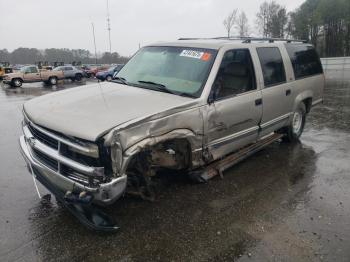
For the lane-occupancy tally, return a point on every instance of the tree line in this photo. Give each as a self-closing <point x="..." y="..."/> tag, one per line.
<point x="32" y="55"/>
<point x="324" y="23"/>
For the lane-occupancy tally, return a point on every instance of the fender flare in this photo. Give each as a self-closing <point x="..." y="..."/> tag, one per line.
<point x="301" y="97"/>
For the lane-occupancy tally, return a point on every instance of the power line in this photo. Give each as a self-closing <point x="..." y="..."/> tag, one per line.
<point x="109" y="28"/>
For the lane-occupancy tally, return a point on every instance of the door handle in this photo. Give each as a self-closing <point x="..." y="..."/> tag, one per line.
<point x="258" y="102"/>
<point x="288" y="92"/>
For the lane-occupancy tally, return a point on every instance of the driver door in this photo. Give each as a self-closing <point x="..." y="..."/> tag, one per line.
<point x="236" y="108"/>
<point x="31" y="74"/>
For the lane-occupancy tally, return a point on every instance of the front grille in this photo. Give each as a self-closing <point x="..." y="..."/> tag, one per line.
<point x="46" y="160"/>
<point x="51" y="142"/>
<point x="61" y="154"/>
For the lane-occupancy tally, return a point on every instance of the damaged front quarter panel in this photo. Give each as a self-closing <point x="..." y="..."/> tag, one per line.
<point x="171" y="139"/>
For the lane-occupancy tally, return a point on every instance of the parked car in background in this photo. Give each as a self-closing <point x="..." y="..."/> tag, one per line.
<point x="5" y="69"/>
<point x="70" y="72"/>
<point x="108" y="74"/>
<point x="96" y="69"/>
<point x="29" y="74"/>
<point x="87" y="72"/>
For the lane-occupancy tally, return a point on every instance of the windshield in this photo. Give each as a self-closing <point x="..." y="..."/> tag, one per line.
<point x="59" y="68"/>
<point x="181" y="70"/>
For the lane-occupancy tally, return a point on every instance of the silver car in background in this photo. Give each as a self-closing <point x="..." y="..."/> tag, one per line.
<point x="70" y="72"/>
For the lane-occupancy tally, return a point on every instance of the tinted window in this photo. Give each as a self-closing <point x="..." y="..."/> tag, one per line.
<point x="68" y="68"/>
<point x="272" y="65"/>
<point x="236" y="74"/>
<point x="304" y="59"/>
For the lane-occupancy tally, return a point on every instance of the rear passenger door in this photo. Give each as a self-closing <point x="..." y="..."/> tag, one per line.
<point x="276" y="91"/>
<point x="68" y="71"/>
<point x="235" y="109"/>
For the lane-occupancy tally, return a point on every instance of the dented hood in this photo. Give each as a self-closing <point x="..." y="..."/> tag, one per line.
<point x="87" y="112"/>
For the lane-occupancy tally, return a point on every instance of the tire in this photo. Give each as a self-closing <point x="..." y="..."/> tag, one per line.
<point x="296" y="127"/>
<point x="78" y="77"/>
<point x="53" y="80"/>
<point x="17" y="82"/>
<point x="109" y="78"/>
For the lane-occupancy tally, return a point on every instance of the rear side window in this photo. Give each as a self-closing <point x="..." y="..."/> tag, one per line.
<point x="272" y="66"/>
<point x="305" y="60"/>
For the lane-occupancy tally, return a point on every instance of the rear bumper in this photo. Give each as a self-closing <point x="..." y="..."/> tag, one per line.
<point x="104" y="194"/>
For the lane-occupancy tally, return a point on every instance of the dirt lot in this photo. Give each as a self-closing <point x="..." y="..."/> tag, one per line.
<point x="289" y="202"/>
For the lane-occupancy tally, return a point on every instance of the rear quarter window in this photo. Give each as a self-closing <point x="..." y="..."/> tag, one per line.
<point x="272" y="66"/>
<point x="305" y="60"/>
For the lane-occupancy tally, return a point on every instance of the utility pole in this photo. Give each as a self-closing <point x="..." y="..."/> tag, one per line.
<point x="109" y="29"/>
<point x="93" y="34"/>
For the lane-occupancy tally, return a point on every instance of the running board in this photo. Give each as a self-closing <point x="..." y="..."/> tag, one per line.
<point x="219" y="166"/>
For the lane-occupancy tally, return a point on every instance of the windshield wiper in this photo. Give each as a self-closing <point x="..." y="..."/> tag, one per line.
<point x="159" y="86"/>
<point x="163" y="88"/>
<point x="118" y="79"/>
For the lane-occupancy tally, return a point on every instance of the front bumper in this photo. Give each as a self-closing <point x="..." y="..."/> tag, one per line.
<point x="104" y="194"/>
<point x="101" y="77"/>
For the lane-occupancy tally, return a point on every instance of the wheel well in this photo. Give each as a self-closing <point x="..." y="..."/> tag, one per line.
<point x="17" y="78"/>
<point x="172" y="154"/>
<point x="308" y="104"/>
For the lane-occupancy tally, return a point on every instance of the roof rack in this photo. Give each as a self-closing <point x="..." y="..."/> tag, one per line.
<point x="247" y="39"/>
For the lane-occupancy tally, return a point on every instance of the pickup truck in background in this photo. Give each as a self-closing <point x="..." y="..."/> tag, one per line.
<point x="30" y="74"/>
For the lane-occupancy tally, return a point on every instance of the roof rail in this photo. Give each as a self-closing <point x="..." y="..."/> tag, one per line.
<point x="271" y="40"/>
<point x="247" y="39"/>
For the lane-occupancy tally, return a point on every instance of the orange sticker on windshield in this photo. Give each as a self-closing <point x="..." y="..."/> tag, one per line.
<point x="206" y="56"/>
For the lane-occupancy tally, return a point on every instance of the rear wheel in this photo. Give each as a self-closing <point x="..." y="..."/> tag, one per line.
<point x="53" y="80"/>
<point x="17" y="82"/>
<point x="296" y="127"/>
<point x="78" y="77"/>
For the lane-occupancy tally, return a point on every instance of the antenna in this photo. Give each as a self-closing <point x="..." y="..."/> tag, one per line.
<point x="109" y="29"/>
<point x="93" y="34"/>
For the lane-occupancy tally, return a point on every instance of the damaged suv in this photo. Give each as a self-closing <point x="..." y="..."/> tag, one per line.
<point x="174" y="106"/>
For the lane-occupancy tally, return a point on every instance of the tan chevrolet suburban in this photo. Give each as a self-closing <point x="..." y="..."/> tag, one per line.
<point x="29" y="74"/>
<point x="182" y="105"/>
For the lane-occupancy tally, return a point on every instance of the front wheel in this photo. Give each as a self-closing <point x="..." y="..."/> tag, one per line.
<point x="16" y="82"/>
<point x="109" y="78"/>
<point x="78" y="77"/>
<point x="296" y="127"/>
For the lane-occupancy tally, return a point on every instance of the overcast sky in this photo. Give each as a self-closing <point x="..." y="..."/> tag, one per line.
<point x="67" y="23"/>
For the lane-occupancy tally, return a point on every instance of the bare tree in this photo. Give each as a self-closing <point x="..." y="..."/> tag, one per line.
<point x="272" y="19"/>
<point x="229" y="21"/>
<point x="242" y="24"/>
<point x="262" y="19"/>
